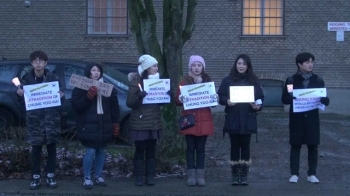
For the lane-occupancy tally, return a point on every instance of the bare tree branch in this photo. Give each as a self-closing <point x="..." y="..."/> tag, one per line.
<point x="135" y="9"/>
<point x="190" y="26"/>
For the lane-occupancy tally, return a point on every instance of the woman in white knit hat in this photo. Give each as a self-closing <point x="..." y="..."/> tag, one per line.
<point x="196" y="136"/>
<point x="145" y="121"/>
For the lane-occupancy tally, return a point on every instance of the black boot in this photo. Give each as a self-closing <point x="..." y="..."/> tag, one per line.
<point x="235" y="173"/>
<point x="138" y="172"/>
<point x="150" y="171"/>
<point x="244" y="173"/>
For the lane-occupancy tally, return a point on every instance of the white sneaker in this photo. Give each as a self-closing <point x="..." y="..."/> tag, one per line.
<point x="312" y="179"/>
<point x="294" y="179"/>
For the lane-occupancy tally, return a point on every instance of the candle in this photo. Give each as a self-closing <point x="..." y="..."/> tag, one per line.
<point x="140" y="87"/>
<point x="16" y="82"/>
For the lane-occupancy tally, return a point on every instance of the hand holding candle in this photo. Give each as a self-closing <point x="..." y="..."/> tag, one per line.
<point x="290" y="88"/>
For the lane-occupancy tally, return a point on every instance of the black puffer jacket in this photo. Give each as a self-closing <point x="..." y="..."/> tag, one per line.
<point x="143" y="117"/>
<point x="240" y="118"/>
<point x="94" y="130"/>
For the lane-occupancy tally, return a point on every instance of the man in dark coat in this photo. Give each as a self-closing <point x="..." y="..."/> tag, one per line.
<point x="43" y="125"/>
<point x="304" y="127"/>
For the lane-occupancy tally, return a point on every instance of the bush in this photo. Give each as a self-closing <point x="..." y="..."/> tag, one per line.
<point x="15" y="157"/>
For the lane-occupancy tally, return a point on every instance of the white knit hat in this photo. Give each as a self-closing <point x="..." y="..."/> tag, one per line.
<point x="146" y="61"/>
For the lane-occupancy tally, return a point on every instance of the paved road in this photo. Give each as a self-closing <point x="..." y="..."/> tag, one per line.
<point x="269" y="172"/>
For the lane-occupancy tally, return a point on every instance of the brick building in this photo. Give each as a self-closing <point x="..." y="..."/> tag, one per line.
<point x="272" y="32"/>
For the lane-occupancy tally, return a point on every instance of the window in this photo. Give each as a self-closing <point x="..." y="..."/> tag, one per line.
<point x="106" y="17"/>
<point x="7" y="72"/>
<point x="28" y="67"/>
<point x="262" y="17"/>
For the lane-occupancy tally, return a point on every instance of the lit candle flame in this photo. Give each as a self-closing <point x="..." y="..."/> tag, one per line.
<point x="140" y="87"/>
<point x="16" y="82"/>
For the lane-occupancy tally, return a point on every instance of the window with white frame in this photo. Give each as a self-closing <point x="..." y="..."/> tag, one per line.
<point x="263" y="17"/>
<point x="107" y="17"/>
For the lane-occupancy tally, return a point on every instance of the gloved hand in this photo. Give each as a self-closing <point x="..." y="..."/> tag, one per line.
<point x="324" y="101"/>
<point x="141" y="95"/>
<point x="92" y="92"/>
<point x="170" y="93"/>
<point x="116" y="129"/>
<point x="183" y="99"/>
<point x="215" y="97"/>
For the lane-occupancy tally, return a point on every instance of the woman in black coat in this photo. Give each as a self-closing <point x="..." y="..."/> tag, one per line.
<point x="97" y="118"/>
<point x="240" y="120"/>
<point x="304" y="127"/>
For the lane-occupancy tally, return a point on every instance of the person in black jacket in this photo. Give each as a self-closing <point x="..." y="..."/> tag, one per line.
<point x="97" y="118"/>
<point x="43" y="125"/>
<point x="240" y="120"/>
<point x="304" y="127"/>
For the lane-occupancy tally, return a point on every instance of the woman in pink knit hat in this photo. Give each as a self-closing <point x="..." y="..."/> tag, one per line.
<point x="196" y="136"/>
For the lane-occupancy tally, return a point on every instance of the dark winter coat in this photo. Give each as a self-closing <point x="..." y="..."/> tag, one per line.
<point x="204" y="121"/>
<point x="240" y="118"/>
<point x="43" y="125"/>
<point x="94" y="130"/>
<point x="144" y="117"/>
<point x="304" y="127"/>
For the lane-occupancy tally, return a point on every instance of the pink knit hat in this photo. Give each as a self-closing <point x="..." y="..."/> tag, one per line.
<point x="196" y="58"/>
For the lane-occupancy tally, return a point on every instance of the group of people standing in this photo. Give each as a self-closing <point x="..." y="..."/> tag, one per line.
<point x="97" y="121"/>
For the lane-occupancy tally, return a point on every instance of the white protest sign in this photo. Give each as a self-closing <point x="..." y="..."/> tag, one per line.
<point x="308" y="99"/>
<point x="156" y="91"/>
<point x="199" y="95"/>
<point x="340" y="36"/>
<point x="85" y="83"/>
<point x="43" y="95"/>
<point x="338" y="26"/>
<point x="242" y="94"/>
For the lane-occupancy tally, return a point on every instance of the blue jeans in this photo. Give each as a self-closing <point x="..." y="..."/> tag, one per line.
<point x="89" y="159"/>
<point x="195" y="153"/>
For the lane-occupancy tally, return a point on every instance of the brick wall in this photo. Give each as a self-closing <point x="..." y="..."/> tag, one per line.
<point x="59" y="27"/>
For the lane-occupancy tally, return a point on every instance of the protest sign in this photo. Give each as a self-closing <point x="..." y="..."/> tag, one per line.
<point x="242" y="94"/>
<point x="156" y="91"/>
<point x="43" y="95"/>
<point x="85" y="83"/>
<point x="199" y="95"/>
<point x="308" y="99"/>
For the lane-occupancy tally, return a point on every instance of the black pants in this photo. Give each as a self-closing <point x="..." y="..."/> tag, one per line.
<point x="195" y="153"/>
<point x="145" y="149"/>
<point x="295" y="159"/>
<point x="240" y="147"/>
<point x="36" y="158"/>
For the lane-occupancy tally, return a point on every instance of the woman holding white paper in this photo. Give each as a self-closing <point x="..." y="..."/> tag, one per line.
<point x="145" y="121"/>
<point x="240" y="120"/>
<point x="196" y="136"/>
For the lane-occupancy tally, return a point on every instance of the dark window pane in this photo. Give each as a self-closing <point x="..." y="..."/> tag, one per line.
<point x="7" y="72"/>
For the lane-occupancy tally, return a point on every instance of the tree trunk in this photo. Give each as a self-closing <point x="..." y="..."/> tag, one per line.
<point x="143" y="26"/>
